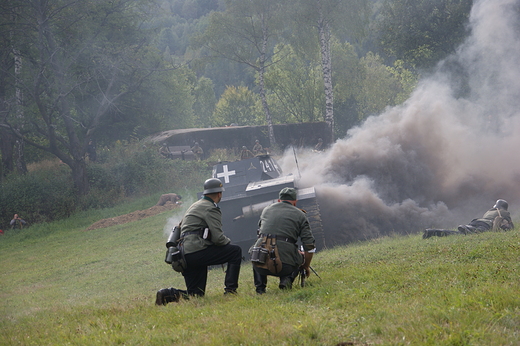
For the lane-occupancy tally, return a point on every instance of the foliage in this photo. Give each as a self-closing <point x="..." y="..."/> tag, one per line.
<point x="295" y="88"/>
<point x="134" y="169"/>
<point x="422" y="32"/>
<point x="244" y="33"/>
<point x="205" y="102"/>
<point x="121" y="70"/>
<point x="382" y="86"/>
<point x="459" y="290"/>
<point x="348" y="74"/>
<point x="87" y="65"/>
<point x="40" y="195"/>
<point x="239" y="106"/>
<point x="126" y="170"/>
<point x="378" y="87"/>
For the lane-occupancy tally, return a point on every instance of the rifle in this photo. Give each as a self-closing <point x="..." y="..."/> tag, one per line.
<point x="303" y="275"/>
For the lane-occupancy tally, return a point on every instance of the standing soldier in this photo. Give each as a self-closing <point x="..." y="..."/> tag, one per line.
<point x="204" y="244"/>
<point x="283" y="223"/>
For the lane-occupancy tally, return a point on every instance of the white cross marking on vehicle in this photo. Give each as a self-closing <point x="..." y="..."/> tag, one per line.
<point x="226" y="174"/>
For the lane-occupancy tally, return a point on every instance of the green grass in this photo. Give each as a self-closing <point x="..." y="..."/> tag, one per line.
<point x="62" y="285"/>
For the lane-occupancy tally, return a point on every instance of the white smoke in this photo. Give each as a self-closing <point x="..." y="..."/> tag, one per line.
<point x="440" y="159"/>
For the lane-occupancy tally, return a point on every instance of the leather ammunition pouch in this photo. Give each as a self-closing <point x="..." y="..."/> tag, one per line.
<point x="264" y="254"/>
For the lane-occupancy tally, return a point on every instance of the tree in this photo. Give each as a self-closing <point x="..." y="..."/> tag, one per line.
<point x="205" y="101"/>
<point x="238" y="106"/>
<point x="348" y="75"/>
<point x="82" y="59"/>
<point x="244" y="33"/>
<point x="326" y="17"/>
<point x="382" y="86"/>
<point x="295" y="86"/>
<point x="11" y="96"/>
<point x="422" y="32"/>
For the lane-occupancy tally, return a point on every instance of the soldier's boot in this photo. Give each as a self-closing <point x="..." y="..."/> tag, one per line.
<point x="462" y="229"/>
<point x="169" y="295"/>
<point x="466" y="229"/>
<point x="231" y="279"/>
<point x="428" y="233"/>
<point x="260" y="282"/>
<point x="287" y="281"/>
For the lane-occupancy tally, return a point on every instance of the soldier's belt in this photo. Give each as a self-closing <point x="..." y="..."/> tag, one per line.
<point x="199" y="232"/>
<point x="278" y="237"/>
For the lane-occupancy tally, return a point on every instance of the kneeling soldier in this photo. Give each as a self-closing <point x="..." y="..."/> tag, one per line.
<point x="204" y="244"/>
<point x="281" y="224"/>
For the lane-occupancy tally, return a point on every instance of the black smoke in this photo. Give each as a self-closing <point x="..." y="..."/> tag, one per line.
<point x="440" y="159"/>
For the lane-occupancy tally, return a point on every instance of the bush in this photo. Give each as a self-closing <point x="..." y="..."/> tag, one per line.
<point x="38" y="196"/>
<point x="47" y="192"/>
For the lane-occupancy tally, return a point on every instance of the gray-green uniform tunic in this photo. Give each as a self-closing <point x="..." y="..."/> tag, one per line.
<point x="493" y="213"/>
<point x="200" y="215"/>
<point x="287" y="221"/>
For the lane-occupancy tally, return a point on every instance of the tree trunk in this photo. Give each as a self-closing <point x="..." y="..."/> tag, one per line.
<point x="79" y="175"/>
<point x="261" y="72"/>
<point x="76" y="151"/>
<point x="265" y="106"/>
<point x="326" y="63"/>
<point x="21" y="166"/>
<point x="7" y="141"/>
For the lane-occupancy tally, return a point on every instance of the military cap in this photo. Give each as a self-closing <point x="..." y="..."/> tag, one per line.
<point x="288" y="194"/>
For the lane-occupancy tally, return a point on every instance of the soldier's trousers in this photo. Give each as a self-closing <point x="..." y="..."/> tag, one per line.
<point x="196" y="275"/>
<point x="286" y="275"/>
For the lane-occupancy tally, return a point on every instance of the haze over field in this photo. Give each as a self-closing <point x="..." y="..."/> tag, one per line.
<point x="444" y="156"/>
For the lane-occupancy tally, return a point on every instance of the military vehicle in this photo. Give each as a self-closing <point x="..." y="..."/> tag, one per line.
<point x="250" y="186"/>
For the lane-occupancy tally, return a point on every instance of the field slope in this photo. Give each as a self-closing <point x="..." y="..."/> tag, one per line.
<point x="63" y="285"/>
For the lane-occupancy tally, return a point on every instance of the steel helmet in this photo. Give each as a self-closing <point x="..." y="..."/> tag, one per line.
<point x="212" y="185"/>
<point x="501" y="204"/>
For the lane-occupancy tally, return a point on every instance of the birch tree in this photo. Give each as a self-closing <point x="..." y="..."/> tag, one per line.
<point x="245" y="33"/>
<point x="325" y="18"/>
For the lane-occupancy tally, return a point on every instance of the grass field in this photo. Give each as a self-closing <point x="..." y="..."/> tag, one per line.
<point x="62" y="285"/>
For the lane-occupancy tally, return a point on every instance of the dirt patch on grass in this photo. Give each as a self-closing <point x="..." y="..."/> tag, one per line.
<point x="134" y="216"/>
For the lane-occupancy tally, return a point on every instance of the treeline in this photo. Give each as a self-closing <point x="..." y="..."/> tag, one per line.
<point x="78" y="74"/>
<point x="125" y="170"/>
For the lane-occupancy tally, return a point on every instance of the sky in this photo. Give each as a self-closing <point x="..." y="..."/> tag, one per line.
<point x="441" y="158"/>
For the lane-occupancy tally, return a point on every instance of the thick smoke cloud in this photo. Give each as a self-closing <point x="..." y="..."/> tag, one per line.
<point x="440" y="159"/>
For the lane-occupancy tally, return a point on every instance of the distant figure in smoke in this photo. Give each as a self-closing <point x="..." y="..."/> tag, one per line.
<point x="257" y="148"/>
<point x="246" y="153"/>
<point x="319" y="145"/>
<point x="495" y="219"/>
<point x="197" y="151"/>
